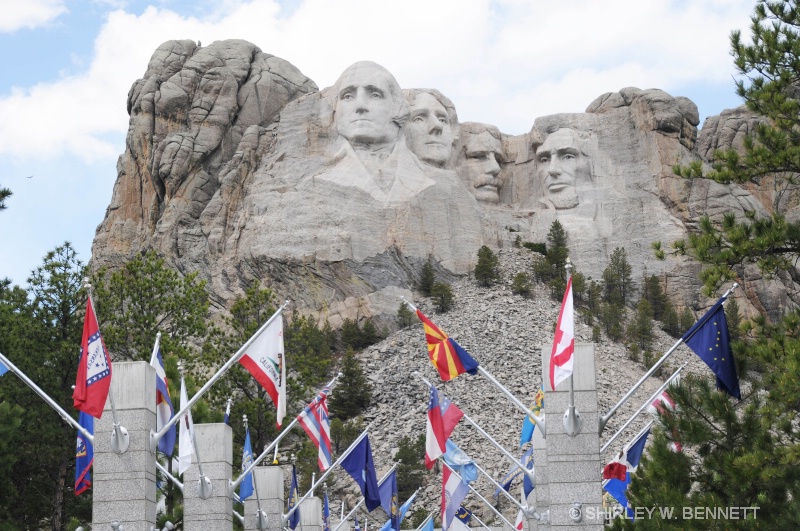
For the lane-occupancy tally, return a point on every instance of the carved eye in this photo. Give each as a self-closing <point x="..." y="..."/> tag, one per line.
<point x="347" y="96"/>
<point x="419" y="118"/>
<point x="544" y="159"/>
<point x="443" y="120"/>
<point x="376" y="95"/>
<point x="568" y="156"/>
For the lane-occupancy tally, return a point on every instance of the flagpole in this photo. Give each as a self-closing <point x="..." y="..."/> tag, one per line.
<point x="154" y="355"/>
<point x="204" y="487"/>
<point x="342" y="520"/>
<point x="496" y="484"/>
<point x="155" y="437"/>
<point x="44" y="396"/>
<point x="572" y="419"/>
<point x="169" y="476"/>
<point x="261" y="516"/>
<point x="347" y="452"/>
<point x="627" y="445"/>
<point x="644" y="406"/>
<point x="284" y="432"/>
<point x="119" y="437"/>
<point x="539" y="421"/>
<point x="478" y="494"/>
<point x="605" y="418"/>
<point x="430" y="515"/>
<point x="508" y="454"/>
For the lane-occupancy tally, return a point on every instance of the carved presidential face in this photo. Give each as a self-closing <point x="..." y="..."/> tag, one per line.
<point x="429" y="133"/>
<point x="560" y="166"/>
<point x="366" y="103"/>
<point x="483" y="154"/>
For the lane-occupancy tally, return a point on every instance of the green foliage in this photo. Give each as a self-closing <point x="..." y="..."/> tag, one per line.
<point x="343" y="433"/>
<point x="617" y="282"/>
<point x="518" y="241"/>
<point x="410" y="457"/>
<point x="555" y="258"/>
<point x="733" y="317"/>
<point x="687" y="320"/>
<point x="5" y="193"/>
<point x="443" y="297"/>
<point x="652" y="292"/>
<point x="405" y="317"/>
<point x="540" y="248"/>
<point x="427" y="278"/>
<point x="486" y="270"/>
<point x="353" y="391"/>
<point x="671" y="321"/>
<point x="612" y="319"/>
<point x="358" y="337"/>
<point x="640" y="329"/>
<point x="145" y="297"/>
<point x="578" y="285"/>
<point x="521" y="284"/>
<point x="596" y="334"/>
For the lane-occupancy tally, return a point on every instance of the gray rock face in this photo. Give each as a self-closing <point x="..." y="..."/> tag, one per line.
<point x="237" y="167"/>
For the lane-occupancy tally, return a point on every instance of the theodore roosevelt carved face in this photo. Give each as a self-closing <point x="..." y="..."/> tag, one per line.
<point x="562" y="165"/>
<point x="432" y="126"/>
<point x="483" y="152"/>
<point x="369" y="110"/>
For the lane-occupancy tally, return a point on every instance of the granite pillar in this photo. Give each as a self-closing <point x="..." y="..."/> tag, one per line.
<point x="311" y="514"/>
<point x="124" y="485"/>
<point x="268" y="481"/>
<point x="215" y="446"/>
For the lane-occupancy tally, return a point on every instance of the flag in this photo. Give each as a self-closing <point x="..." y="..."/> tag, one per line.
<point x="164" y="409"/>
<point x="294" y="519"/>
<point x="3" y="368"/>
<point x="443" y="416"/>
<point x="390" y="500"/>
<point x="264" y="359"/>
<point x="428" y="526"/>
<point x="526" y="459"/>
<point x="84" y="454"/>
<point x="94" y="368"/>
<point x="520" y="522"/>
<point x="453" y="492"/>
<point x="356" y="526"/>
<point x="709" y="338"/>
<point x="326" y="514"/>
<point x="361" y="468"/>
<point x="459" y="461"/>
<point x="461" y="521"/>
<point x="662" y="405"/>
<point x="449" y="358"/>
<point x="527" y="424"/>
<point x="615" y="470"/>
<point x="246" y="486"/>
<point x="527" y="481"/>
<point x="314" y="420"/>
<point x="630" y="459"/>
<point x="401" y="514"/>
<point x="227" y="419"/>
<point x="562" y="356"/>
<point x="185" y="442"/>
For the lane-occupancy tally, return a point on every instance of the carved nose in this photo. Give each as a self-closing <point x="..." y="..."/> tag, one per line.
<point x="554" y="168"/>
<point x="434" y="126"/>
<point x="492" y="167"/>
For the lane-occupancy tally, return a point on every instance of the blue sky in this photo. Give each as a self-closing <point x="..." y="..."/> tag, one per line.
<point x="67" y="67"/>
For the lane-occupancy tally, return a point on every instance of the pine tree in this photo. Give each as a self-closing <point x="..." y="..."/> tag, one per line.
<point x="486" y="270"/>
<point x="427" y="278"/>
<point x="353" y="392"/>
<point x="411" y="465"/>
<point x="405" y="317"/>
<point x="672" y="324"/>
<point x="443" y="297"/>
<point x="687" y="320"/>
<point x="556" y="254"/>
<point x="617" y="280"/>
<point x="640" y="329"/>
<point x="521" y="284"/>
<point x="5" y="193"/>
<point x="733" y="317"/>
<point x="651" y="290"/>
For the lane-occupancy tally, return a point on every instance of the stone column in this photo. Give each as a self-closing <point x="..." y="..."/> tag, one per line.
<point x="573" y="462"/>
<point x="540" y="497"/>
<point x="269" y="484"/>
<point x="311" y="514"/>
<point x="124" y="486"/>
<point x="215" y="445"/>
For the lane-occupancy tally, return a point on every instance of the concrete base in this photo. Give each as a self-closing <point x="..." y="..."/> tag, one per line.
<point x="269" y="485"/>
<point x="215" y="446"/>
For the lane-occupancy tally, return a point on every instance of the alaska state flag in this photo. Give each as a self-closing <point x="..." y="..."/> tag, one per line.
<point x="449" y="358"/>
<point x="84" y="455"/>
<point x="94" y="368"/>
<point x="164" y="409"/>
<point x="710" y="340"/>
<point x="361" y="467"/>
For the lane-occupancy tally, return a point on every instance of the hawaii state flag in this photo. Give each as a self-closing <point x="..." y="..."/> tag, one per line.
<point x="443" y="415"/>
<point x="84" y="455"/>
<point x="315" y="422"/>
<point x="562" y="356"/>
<point x="449" y="358"/>
<point x="265" y="360"/>
<point x="94" y="368"/>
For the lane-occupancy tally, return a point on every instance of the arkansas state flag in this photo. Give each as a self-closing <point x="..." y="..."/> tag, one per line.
<point x="94" y="368"/>
<point x="443" y="416"/>
<point x="561" y="358"/>
<point x="265" y="360"/>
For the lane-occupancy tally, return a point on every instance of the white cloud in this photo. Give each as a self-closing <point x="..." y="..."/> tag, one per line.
<point x="29" y="13"/>
<point x="503" y="62"/>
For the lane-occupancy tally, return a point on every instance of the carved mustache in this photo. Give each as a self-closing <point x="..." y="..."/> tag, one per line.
<point x="485" y="180"/>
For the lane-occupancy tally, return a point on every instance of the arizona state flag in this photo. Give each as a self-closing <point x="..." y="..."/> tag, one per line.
<point x="449" y="358"/>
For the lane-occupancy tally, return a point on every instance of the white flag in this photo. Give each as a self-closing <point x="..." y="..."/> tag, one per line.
<point x="186" y="439"/>
<point x="520" y="521"/>
<point x="264" y="359"/>
<point x="562" y="356"/>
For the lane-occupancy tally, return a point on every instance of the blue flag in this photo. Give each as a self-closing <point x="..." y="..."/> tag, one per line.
<point x="527" y="482"/>
<point x="460" y="462"/>
<point x="84" y="455"/>
<point x="710" y="340"/>
<point x="294" y="519"/>
<point x="3" y="368"/>
<point x="403" y="510"/>
<point x="527" y="423"/>
<point x="515" y="471"/>
<point x="164" y="409"/>
<point x="631" y="457"/>
<point x="326" y="514"/>
<point x="356" y="526"/>
<point x="389" y="499"/>
<point x="246" y="486"/>
<point x="428" y="525"/>
<point x="361" y="468"/>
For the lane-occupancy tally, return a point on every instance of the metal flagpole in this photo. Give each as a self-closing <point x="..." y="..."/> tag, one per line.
<point x="572" y="419"/>
<point x="154" y="355"/>
<point x="285" y="517"/>
<point x="343" y="519"/>
<point x="44" y="396"/>
<point x="539" y="421"/>
<point x="644" y="406"/>
<point x="119" y="437"/>
<point x="175" y="481"/>
<point x="204" y="487"/>
<point x="261" y="516"/>
<point x="155" y="437"/>
<point x="478" y="494"/>
<point x="498" y="485"/>
<point x="508" y="454"/>
<point x="605" y="418"/>
<point x="430" y="515"/>
<point x="284" y="432"/>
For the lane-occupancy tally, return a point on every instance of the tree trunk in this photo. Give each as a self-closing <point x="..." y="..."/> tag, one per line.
<point x="58" y="502"/>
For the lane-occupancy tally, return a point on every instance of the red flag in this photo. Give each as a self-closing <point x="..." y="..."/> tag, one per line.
<point x="561" y="358"/>
<point x="615" y="470"/>
<point x="94" y="368"/>
<point x="443" y="415"/>
<point x="449" y="358"/>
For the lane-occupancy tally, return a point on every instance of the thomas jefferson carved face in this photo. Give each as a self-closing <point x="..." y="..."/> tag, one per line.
<point x="483" y="152"/>
<point x="368" y="103"/>
<point x="429" y="133"/>
<point x="561" y="165"/>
